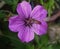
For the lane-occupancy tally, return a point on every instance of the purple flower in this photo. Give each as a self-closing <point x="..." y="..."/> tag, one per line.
<point x="28" y="21"/>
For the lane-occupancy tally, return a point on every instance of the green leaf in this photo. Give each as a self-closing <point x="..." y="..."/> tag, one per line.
<point x="44" y="39"/>
<point x="56" y="46"/>
<point x="13" y="4"/>
<point x="43" y="42"/>
<point x="9" y="2"/>
<point x="30" y="46"/>
<point x="37" y="40"/>
<point x="41" y="1"/>
<point x="47" y="47"/>
<point x="2" y="14"/>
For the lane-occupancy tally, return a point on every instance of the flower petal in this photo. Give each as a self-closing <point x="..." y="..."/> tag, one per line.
<point x="14" y="23"/>
<point x="39" y="13"/>
<point x="26" y="34"/>
<point x="40" y="29"/>
<point x="24" y="9"/>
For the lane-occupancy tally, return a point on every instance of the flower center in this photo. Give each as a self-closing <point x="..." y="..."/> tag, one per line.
<point x="29" y="22"/>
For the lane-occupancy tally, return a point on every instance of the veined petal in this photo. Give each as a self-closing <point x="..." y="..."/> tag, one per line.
<point x="26" y="34"/>
<point x="14" y="23"/>
<point x="39" y="13"/>
<point x="40" y="29"/>
<point x="24" y="9"/>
